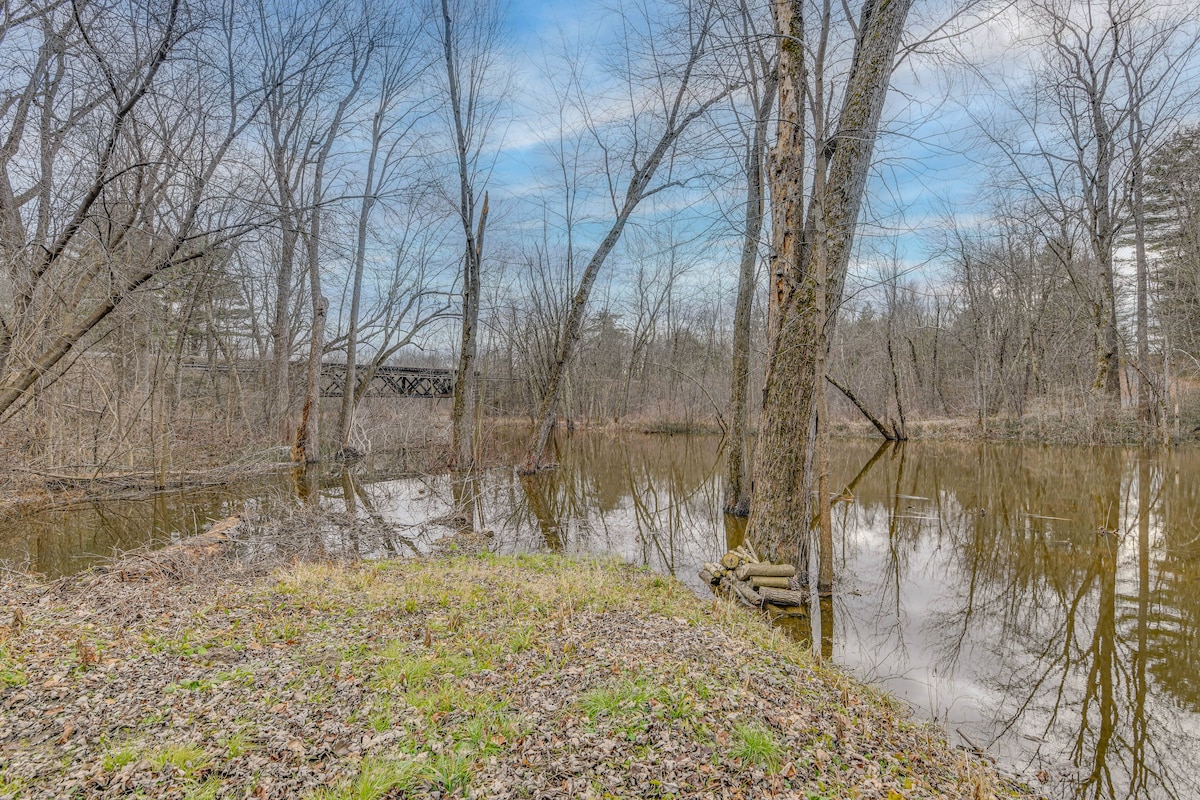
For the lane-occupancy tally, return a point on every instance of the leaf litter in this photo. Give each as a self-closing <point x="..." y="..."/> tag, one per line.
<point x="476" y="676"/>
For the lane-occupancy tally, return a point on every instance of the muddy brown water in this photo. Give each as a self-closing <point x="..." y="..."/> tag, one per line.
<point x="1042" y="602"/>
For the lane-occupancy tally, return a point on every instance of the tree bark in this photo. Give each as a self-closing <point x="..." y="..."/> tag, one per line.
<point x="350" y="389"/>
<point x="306" y="449"/>
<point x="463" y="413"/>
<point x="779" y="509"/>
<point x="737" y="480"/>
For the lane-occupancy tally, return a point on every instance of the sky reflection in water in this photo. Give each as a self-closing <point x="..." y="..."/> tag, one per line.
<point x="1043" y="601"/>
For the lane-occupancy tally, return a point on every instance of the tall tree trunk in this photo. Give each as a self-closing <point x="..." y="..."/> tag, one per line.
<point x="306" y="449"/>
<point x="737" y="481"/>
<point x="464" y="409"/>
<point x="1147" y="395"/>
<point x="464" y="413"/>
<point x="779" y="515"/>
<point x="279" y="397"/>
<point x="350" y="394"/>
<point x="1108" y="375"/>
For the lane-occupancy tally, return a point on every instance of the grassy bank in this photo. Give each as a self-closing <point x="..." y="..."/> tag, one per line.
<point x="471" y="676"/>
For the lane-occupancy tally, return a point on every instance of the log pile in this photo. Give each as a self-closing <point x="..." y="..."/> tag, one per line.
<point x="757" y="583"/>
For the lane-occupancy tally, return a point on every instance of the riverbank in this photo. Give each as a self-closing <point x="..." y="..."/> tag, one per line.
<point x="466" y="676"/>
<point x="1121" y="428"/>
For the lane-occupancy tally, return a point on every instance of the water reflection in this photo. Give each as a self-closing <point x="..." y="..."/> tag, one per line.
<point x="65" y="540"/>
<point x="1040" y="599"/>
<point x="1043" y="601"/>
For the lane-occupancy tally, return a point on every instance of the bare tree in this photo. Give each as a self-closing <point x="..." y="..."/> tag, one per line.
<point x="1156" y="51"/>
<point x="681" y="94"/>
<point x="759" y="62"/>
<point x="468" y="34"/>
<point x="357" y="49"/>
<point x="390" y="143"/>
<point x="105" y="184"/>
<point x="812" y="244"/>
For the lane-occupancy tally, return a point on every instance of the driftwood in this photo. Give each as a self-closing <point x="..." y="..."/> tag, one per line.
<point x="746" y="554"/>
<point x="765" y="571"/>
<point x="170" y="560"/>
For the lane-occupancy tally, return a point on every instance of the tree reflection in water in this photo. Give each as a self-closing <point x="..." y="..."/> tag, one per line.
<point x="1045" y="601"/>
<point x="1042" y="600"/>
<point x="1042" y="605"/>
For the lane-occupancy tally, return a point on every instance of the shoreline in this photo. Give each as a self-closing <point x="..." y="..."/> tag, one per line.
<point x="460" y="676"/>
<point x="25" y="489"/>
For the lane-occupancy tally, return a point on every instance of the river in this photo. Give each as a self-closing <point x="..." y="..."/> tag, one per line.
<point x="1043" y="602"/>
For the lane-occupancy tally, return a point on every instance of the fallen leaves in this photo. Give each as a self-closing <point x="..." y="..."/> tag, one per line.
<point x="528" y="678"/>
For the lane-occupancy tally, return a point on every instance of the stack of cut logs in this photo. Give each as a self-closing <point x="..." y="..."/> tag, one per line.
<point x="758" y="583"/>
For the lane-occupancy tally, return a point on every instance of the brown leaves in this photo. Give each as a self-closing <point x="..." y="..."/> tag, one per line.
<point x="86" y="652"/>
<point x="526" y="695"/>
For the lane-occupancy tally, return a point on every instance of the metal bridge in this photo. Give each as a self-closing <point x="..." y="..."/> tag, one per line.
<point x="385" y="381"/>
<point x="390" y="381"/>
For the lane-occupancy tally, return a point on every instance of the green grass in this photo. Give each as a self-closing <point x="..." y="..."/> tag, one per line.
<point x="522" y="638"/>
<point x="204" y="791"/>
<point x="754" y="744"/>
<point x="237" y="744"/>
<point x="528" y="620"/>
<point x="10" y="787"/>
<point x="10" y="674"/>
<point x="189" y="759"/>
<point x="486" y="734"/>
<point x="114" y="760"/>
<point x="402" y="669"/>
<point x="451" y="772"/>
<point x="379" y="778"/>
<point x="624" y="697"/>
<point x="448" y="697"/>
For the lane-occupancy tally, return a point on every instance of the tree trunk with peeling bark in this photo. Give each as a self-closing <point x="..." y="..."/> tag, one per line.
<point x="779" y="514"/>
<point x="737" y="479"/>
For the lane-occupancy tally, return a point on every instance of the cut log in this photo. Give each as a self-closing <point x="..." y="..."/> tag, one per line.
<point x="747" y="593"/>
<point x="716" y="569"/>
<point x="746" y="554"/>
<point x="708" y="577"/>
<point x="765" y="571"/>
<point x="783" y="597"/>
<point x="775" y="583"/>
<point x="171" y="560"/>
<point x="207" y="544"/>
<point x="730" y="560"/>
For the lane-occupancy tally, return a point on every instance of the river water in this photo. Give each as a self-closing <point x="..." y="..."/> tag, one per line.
<point x="1041" y="602"/>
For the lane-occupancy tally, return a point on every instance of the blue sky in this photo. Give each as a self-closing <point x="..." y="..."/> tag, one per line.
<point x="923" y="168"/>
